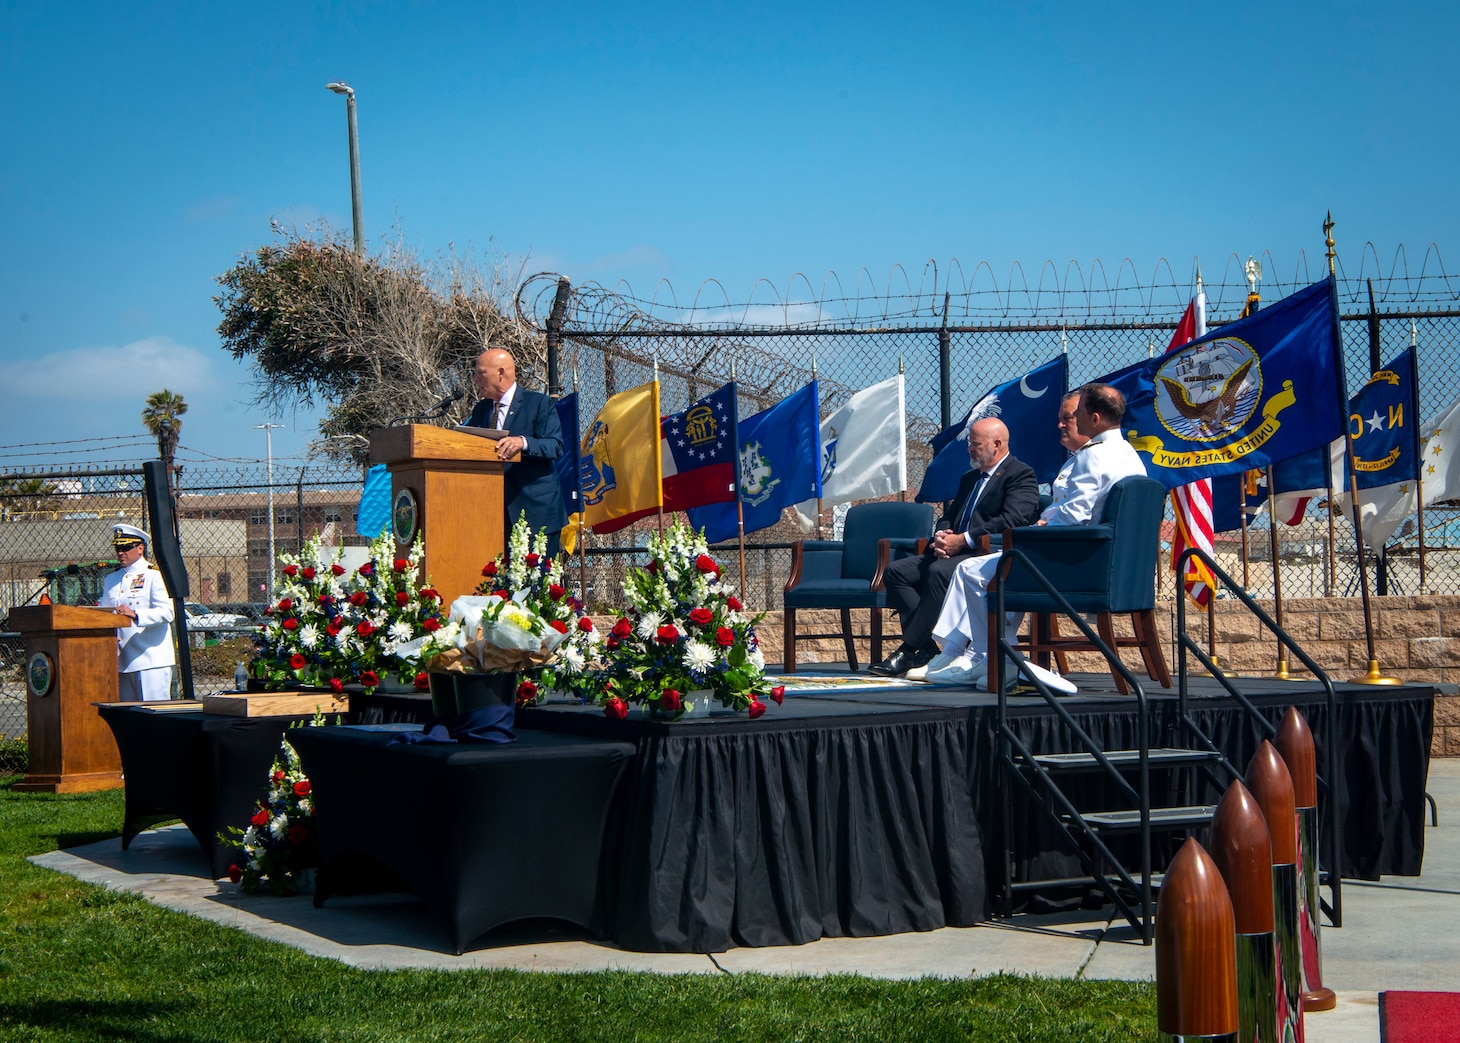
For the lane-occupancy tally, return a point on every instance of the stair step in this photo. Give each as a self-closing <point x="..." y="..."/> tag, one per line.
<point x="1161" y="818"/>
<point x="1164" y="756"/>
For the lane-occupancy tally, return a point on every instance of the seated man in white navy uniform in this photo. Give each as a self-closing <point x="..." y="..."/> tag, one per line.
<point x="145" y="655"/>
<point x="1079" y="491"/>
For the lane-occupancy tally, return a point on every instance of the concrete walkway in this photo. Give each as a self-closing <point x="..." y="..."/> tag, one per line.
<point x="1399" y="933"/>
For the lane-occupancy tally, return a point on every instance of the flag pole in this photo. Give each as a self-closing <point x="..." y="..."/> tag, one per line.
<point x="582" y="536"/>
<point x="902" y="496"/>
<point x="819" y="534"/>
<point x="1419" y="466"/>
<point x="1331" y="580"/>
<point x="739" y="502"/>
<point x="660" y="515"/>
<point x="1281" y="673"/>
<point x="1372" y="676"/>
<point x="1242" y="514"/>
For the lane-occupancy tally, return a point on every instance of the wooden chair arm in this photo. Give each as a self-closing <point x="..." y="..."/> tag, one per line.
<point x="798" y="549"/>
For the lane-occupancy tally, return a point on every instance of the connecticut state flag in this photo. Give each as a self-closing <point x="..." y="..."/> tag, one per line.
<point x="1248" y="393"/>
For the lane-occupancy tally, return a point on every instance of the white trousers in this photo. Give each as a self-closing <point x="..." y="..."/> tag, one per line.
<point x="963" y="624"/>
<point x="145" y="685"/>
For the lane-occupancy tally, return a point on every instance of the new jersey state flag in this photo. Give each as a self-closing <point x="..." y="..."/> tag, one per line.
<point x="619" y="459"/>
<point x="779" y="455"/>
<point x="1250" y="392"/>
<point x="696" y="455"/>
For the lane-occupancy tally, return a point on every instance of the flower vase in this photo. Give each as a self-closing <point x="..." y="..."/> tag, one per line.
<point x="701" y="698"/>
<point x="443" y="695"/>
<point x="478" y="691"/>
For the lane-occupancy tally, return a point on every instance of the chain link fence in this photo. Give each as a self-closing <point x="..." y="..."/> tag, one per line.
<point x="55" y="541"/>
<point x="955" y="337"/>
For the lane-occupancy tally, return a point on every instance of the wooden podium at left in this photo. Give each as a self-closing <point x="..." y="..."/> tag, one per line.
<point x="446" y="487"/>
<point x="70" y="663"/>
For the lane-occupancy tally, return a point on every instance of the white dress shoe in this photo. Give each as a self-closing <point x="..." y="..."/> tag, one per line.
<point x="938" y="662"/>
<point x="1058" y="683"/>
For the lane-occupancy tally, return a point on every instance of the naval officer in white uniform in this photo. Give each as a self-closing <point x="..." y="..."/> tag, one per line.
<point x="1079" y="491"/>
<point x="145" y="655"/>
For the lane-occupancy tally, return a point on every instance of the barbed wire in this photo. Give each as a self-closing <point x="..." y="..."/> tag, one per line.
<point x="1078" y="295"/>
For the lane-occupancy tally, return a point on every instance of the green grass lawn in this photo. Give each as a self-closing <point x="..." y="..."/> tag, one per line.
<point x="78" y="962"/>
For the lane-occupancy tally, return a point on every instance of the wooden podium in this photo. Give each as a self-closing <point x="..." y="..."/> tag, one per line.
<point x="446" y="487"/>
<point x="71" y="663"/>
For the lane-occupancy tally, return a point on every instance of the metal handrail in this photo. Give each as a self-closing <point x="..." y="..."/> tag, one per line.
<point x="1330" y="753"/>
<point x="1142" y="793"/>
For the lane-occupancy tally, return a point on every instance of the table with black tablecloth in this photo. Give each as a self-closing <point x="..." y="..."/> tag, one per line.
<point x="209" y="770"/>
<point x="482" y="833"/>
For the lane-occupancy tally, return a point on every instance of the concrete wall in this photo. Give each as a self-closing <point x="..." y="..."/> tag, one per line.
<point x="1416" y="639"/>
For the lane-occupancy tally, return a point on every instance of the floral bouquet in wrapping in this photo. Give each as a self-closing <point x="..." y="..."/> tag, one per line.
<point x="279" y="843"/>
<point x="523" y="622"/>
<point x="685" y="631"/>
<point x="332" y="626"/>
<point x="529" y="579"/>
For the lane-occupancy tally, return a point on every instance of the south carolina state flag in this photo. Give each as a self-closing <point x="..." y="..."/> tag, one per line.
<point x="1250" y="392"/>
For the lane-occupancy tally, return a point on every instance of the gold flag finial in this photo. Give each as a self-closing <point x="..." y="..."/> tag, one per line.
<point x="1328" y="242"/>
<point x="899" y="363"/>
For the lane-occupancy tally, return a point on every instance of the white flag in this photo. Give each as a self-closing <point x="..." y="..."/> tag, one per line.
<point x="863" y="449"/>
<point x="1440" y="459"/>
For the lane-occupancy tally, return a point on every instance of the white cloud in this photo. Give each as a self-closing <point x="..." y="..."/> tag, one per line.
<point x="129" y="371"/>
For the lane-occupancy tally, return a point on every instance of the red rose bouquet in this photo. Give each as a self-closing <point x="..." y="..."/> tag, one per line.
<point x="332" y="626"/>
<point x="279" y="843"/>
<point x="684" y="632"/>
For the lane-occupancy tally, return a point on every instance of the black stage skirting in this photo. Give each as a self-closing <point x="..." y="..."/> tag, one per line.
<point x="876" y="811"/>
<point x="856" y="811"/>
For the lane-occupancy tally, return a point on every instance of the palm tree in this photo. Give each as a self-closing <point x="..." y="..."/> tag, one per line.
<point x="161" y="418"/>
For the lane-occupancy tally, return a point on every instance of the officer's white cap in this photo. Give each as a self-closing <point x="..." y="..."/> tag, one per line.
<point x="128" y="532"/>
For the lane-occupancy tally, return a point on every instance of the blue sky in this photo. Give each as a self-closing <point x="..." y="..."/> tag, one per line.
<point x="148" y="147"/>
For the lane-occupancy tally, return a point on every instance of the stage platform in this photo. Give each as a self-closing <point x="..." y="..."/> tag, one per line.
<point x="865" y="806"/>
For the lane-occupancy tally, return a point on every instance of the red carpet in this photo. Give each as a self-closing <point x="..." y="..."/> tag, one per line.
<point x="1419" y="1017"/>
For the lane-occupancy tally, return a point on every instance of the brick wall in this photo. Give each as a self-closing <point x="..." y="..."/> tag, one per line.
<point x="1416" y="639"/>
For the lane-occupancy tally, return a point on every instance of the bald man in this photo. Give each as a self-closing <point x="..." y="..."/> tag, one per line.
<point x="998" y="493"/>
<point x="535" y="440"/>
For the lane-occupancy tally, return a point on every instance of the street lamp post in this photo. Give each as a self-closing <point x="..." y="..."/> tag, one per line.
<point x="356" y="214"/>
<point x="268" y="430"/>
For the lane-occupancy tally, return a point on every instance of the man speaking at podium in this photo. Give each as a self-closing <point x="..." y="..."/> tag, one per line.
<point x="535" y="440"/>
<point x="144" y="649"/>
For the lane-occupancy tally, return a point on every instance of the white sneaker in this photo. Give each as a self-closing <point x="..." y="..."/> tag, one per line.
<point x="964" y="670"/>
<point x="938" y="662"/>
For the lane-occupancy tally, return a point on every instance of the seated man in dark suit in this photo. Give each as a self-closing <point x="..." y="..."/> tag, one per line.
<point x="999" y="493"/>
<point x="529" y="480"/>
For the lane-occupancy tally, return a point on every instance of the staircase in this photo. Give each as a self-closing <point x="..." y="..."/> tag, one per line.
<point x="1053" y="781"/>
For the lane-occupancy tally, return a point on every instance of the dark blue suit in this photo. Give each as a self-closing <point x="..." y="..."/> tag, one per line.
<point x="530" y="483"/>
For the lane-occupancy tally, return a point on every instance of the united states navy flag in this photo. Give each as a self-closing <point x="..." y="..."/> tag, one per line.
<point x="780" y="453"/>
<point x="1250" y="392"/>
<point x="1383" y="425"/>
<point x="1029" y="406"/>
